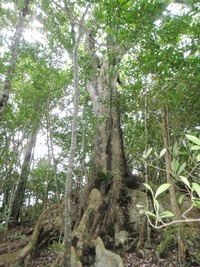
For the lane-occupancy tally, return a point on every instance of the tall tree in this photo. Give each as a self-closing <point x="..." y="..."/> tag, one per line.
<point x="124" y="60"/>
<point x="19" y="193"/>
<point x="14" y="52"/>
<point x="68" y="185"/>
<point x="102" y="85"/>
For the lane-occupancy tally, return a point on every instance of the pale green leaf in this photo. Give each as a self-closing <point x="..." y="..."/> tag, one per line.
<point x="194" y="139"/>
<point x="149" y="188"/>
<point x="162" y="152"/>
<point x="147" y="153"/>
<point x="161" y="189"/>
<point x="198" y="157"/>
<point x="156" y="154"/>
<point x="195" y="148"/>
<point x="184" y="143"/>
<point x="166" y="214"/>
<point x="175" y="165"/>
<point x="175" y="149"/>
<point x="180" y="199"/>
<point x="150" y="214"/>
<point x="197" y="203"/>
<point x="156" y="205"/>
<point x="185" y="181"/>
<point x="196" y="188"/>
<point x="181" y="169"/>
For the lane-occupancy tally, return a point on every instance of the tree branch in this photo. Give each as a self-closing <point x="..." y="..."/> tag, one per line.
<point x="172" y="222"/>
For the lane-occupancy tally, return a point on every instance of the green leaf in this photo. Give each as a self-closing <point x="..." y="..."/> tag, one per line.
<point x="198" y="157"/>
<point x="156" y="205"/>
<point x="195" y="148"/>
<point x="180" y="199"/>
<point x="185" y="181"/>
<point x="161" y="189"/>
<point x="196" y="188"/>
<point x="150" y="214"/>
<point x="175" y="165"/>
<point x="166" y="214"/>
<point x="175" y="149"/>
<point x="184" y="143"/>
<point x="149" y="188"/>
<point x="194" y="139"/>
<point x="197" y="204"/>
<point x="182" y="167"/>
<point x="147" y="153"/>
<point x="156" y="154"/>
<point x="162" y="152"/>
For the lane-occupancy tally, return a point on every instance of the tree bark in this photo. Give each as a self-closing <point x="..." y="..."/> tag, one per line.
<point x="172" y="191"/>
<point x="19" y="192"/>
<point x="109" y="157"/>
<point x="166" y="141"/>
<point x="4" y="96"/>
<point x="68" y="184"/>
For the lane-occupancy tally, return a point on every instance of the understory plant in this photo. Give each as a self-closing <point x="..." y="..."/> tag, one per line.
<point x="186" y="177"/>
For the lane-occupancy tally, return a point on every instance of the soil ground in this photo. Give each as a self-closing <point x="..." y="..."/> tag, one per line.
<point x="19" y="237"/>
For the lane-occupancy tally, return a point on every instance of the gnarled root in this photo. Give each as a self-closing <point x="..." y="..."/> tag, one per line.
<point x="105" y="257"/>
<point x="49" y="223"/>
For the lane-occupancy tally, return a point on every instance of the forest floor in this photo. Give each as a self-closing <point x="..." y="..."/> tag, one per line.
<point x="19" y="237"/>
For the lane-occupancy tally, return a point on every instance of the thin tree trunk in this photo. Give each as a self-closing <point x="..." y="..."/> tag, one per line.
<point x="6" y="188"/>
<point x="49" y="158"/>
<point x="13" y="59"/>
<point x="172" y="191"/>
<point x="19" y="193"/>
<point x="68" y="184"/>
<point x="57" y="193"/>
<point x="51" y="161"/>
<point x="166" y="141"/>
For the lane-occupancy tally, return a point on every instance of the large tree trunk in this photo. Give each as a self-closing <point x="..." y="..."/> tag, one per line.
<point x="109" y="156"/>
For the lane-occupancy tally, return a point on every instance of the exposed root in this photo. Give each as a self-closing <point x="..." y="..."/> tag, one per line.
<point x="49" y="220"/>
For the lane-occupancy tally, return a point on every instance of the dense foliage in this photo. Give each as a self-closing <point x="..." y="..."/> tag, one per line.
<point x="160" y="67"/>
